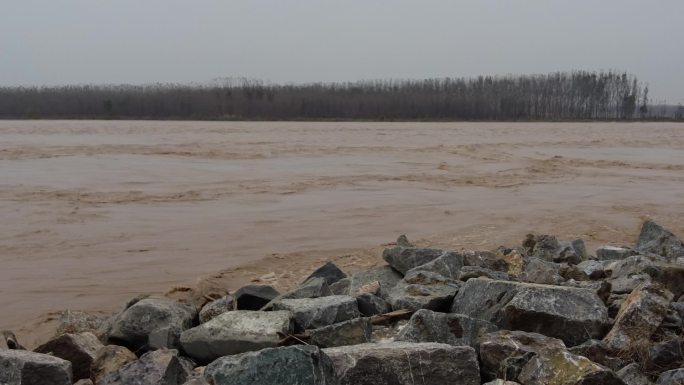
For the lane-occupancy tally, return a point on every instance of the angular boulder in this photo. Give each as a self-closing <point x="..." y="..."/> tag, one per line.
<point x="329" y="272"/>
<point x="423" y="290"/>
<point x="405" y="363"/>
<point x="560" y="367"/>
<point x="403" y="259"/>
<point x="447" y="264"/>
<point x="639" y="317"/>
<point x="549" y="248"/>
<point x="653" y="238"/>
<point x="571" y="314"/>
<point x="312" y="313"/>
<point x="632" y="375"/>
<point x="79" y="349"/>
<point x="74" y="321"/>
<point x="352" y="332"/>
<point x="301" y="365"/>
<point x="666" y="355"/>
<point x="254" y="297"/>
<point x="236" y="332"/>
<point x="214" y="308"/>
<point x="608" y="253"/>
<point x="638" y="269"/>
<point x="110" y="359"/>
<point x="159" y="367"/>
<point x="21" y="367"/>
<point x="537" y="270"/>
<point x="384" y="275"/>
<point x="451" y="329"/>
<point x="313" y="288"/>
<point x="132" y="326"/>
<point x="672" y="377"/>
<point x="370" y="304"/>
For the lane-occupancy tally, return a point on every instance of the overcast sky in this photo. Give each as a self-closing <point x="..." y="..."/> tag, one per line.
<point x="54" y="42"/>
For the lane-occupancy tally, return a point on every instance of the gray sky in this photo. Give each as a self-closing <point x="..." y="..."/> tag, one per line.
<point x="54" y="42"/>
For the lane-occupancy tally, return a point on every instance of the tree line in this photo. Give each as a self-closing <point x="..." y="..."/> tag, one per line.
<point x="577" y="95"/>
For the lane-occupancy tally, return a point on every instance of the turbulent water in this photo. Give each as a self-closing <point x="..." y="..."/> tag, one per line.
<point x="94" y="212"/>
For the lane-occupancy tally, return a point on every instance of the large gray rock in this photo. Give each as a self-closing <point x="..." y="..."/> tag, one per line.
<point x="74" y="321"/>
<point x="600" y="353"/>
<point x="352" y="332"/>
<point x="312" y="288"/>
<point x="159" y="367"/>
<point x="468" y="272"/>
<point x="560" y="367"/>
<point x="632" y="375"/>
<point x="110" y="359"/>
<point x="132" y="326"/>
<point x="423" y="290"/>
<point x="452" y="329"/>
<point x="666" y="355"/>
<point x="639" y="269"/>
<point x="495" y="261"/>
<point x="537" y="270"/>
<point x="300" y="365"/>
<point x="254" y="297"/>
<point x="571" y="314"/>
<point x="311" y="313"/>
<point x="329" y="272"/>
<point x="370" y="304"/>
<point x="639" y="317"/>
<point x="79" y="349"/>
<point x="549" y="248"/>
<point x="21" y="367"/>
<point x="672" y="377"/>
<point x="236" y="332"/>
<point x="655" y="239"/>
<point x="403" y="259"/>
<point x="448" y="265"/>
<point x="504" y="353"/>
<point x="384" y="275"/>
<point x="608" y="253"/>
<point x="214" y="308"/>
<point x="593" y="269"/>
<point x="405" y="363"/>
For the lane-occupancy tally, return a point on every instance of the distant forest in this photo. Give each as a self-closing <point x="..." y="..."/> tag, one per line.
<point x="577" y="95"/>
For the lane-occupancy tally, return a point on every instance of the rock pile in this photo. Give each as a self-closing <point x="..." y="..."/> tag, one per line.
<point x="547" y="312"/>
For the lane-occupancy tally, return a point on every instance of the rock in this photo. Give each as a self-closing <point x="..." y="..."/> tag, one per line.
<point x="644" y="268"/>
<point x="655" y="239"/>
<point x="423" y="290"/>
<point x="159" y="367"/>
<point x="403" y="241"/>
<point x="513" y="257"/>
<point x="341" y="287"/>
<point x="133" y="325"/>
<point x="607" y="253"/>
<point x="384" y="275"/>
<point x="468" y="272"/>
<point x="601" y="288"/>
<point x="254" y="297"/>
<point x="403" y="259"/>
<point x="312" y="313"/>
<point x="165" y="337"/>
<point x="671" y="377"/>
<point x="536" y="270"/>
<point x="598" y="352"/>
<point x="501" y="382"/>
<point x="21" y="367"/>
<point x="74" y="322"/>
<point x="504" y="350"/>
<point x="572" y="272"/>
<point x="453" y="329"/>
<point x="301" y="365"/>
<point x="370" y="305"/>
<point x="352" y="332"/>
<point x="593" y="269"/>
<point x="640" y="315"/>
<point x="448" y="265"/>
<point x="110" y="359"/>
<point x="485" y="259"/>
<point x="79" y="349"/>
<point x="313" y="288"/>
<point x="84" y="382"/>
<point x="666" y="355"/>
<point x="571" y="314"/>
<point x="547" y="247"/>
<point x="632" y="375"/>
<point x="236" y="332"/>
<point x="214" y="308"/>
<point x="405" y="363"/>
<point x="329" y="272"/>
<point x="560" y="367"/>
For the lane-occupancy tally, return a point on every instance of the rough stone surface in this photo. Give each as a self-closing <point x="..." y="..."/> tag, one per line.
<point x="329" y="272"/>
<point x="639" y="317"/>
<point x="370" y="304"/>
<point x="84" y="382"/>
<point x="21" y="367"/>
<point x="214" y="308"/>
<point x="485" y="259"/>
<point x="79" y="349"/>
<point x="405" y="363"/>
<point x="236" y="332"/>
<point x="403" y="259"/>
<point x="110" y="359"/>
<point x="646" y="268"/>
<point x="593" y="269"/>
<point x="341" y="287"/>
<point x="423" y="290"/>
<point x="655" y="239"/>
<point x="549" y="248"/>
<point x="313" y="288"/>
<point x="133" y="325"/>
<point x="631" y="375"/>
<point x="571" y="314"/>
<point x="301" y="365"/>
<point x="159" y="367"/>
<point x="666" y="355"/>
<point x="672" y="377"/>
<point x="499" y="381"/>
<point x="254" y="297"/>
<point x="384" y="275"/>
<point x="452" y="329"/>
<point x="598" y="352"/>
<point x="560" y="367"/>
<point x="607" y="253"/>
<point x="312" y="313"/>
<point x="352" y="332"/>
<point x="468" y="272"/>
<point x="73" y="322"/>
<point x="537" y="270"/>
<point x="448" y="265"/>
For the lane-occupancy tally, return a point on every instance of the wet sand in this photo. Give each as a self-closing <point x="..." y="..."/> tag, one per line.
<point x="95" y="212"/>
